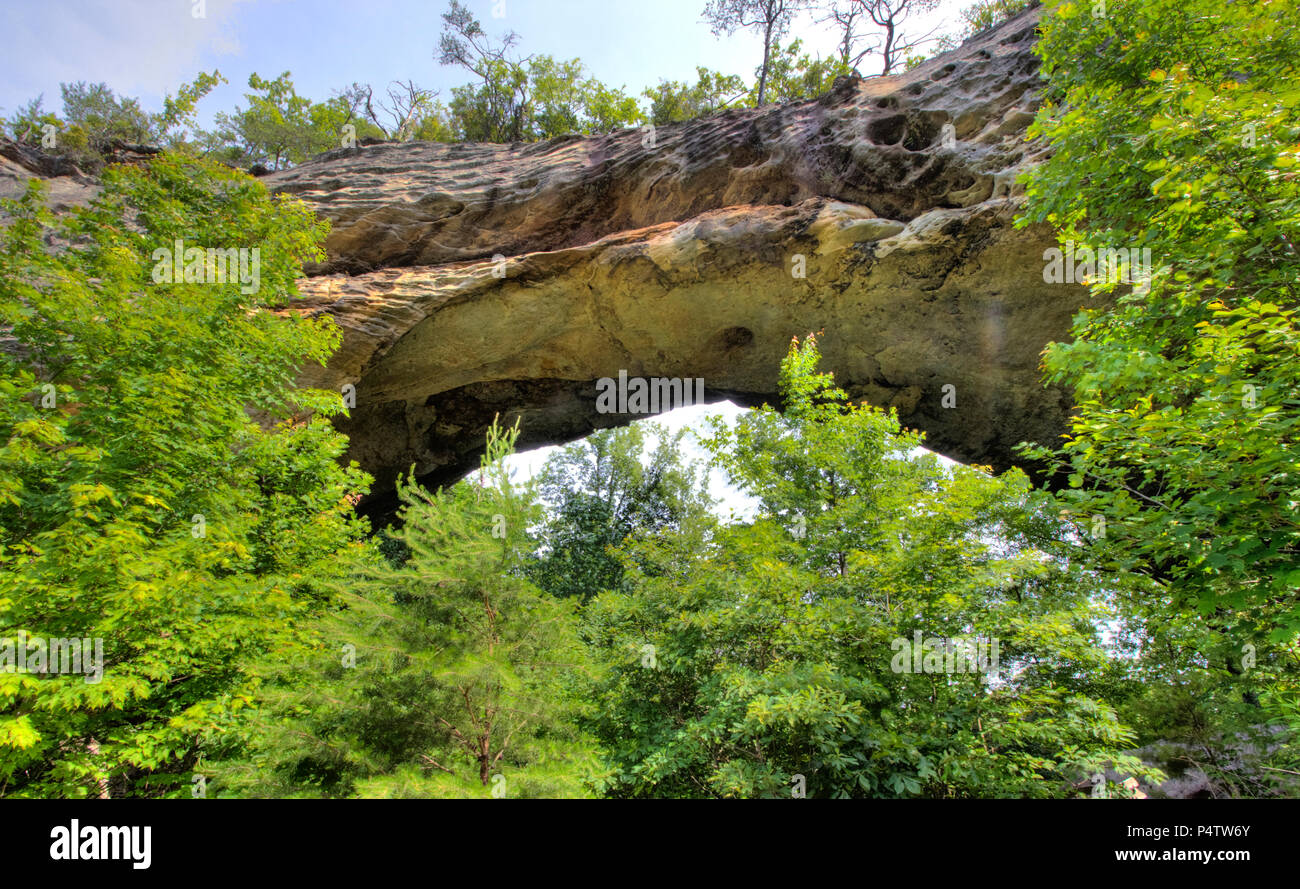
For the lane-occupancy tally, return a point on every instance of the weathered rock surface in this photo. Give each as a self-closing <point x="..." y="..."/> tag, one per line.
<point x="472" y="280"/>
<point x="67" y="186"/>
<point x="1223" y="767"/>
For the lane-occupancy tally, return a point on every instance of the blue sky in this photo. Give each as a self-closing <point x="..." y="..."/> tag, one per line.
<point x="146" y="48"/>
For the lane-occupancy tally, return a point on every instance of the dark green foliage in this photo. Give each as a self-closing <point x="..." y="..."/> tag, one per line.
<point x="599" y="494"/>
<point x="448" y="675"/>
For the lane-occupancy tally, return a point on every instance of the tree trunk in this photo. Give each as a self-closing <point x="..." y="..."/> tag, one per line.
<point x="889" y="47"/>
<point x="767" y="60"/>
<point x="92" y="747"/>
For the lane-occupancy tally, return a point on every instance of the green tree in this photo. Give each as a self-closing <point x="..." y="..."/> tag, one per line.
<point x="894" y="41"/>
<point x="564" y="99"/>
<point x="279" y="127"/>
<point x="768" y="655"/>
<point x="517" y="99"/>
<point x="103" y="116"/>
<point x="672" y="101"/>
<point x="982" y="16"/>
<point x="176" y="122"/>
<point x="28" y="124"/>
<point x="795" y="74"/>
<point x="1184" y="433"/>
<point x="447" y="675"/>
<point x="599" y="492"/>
<point x="437" y="125"/>
<point x="95" y="119"/>
<point x="769" y="18"/>
<point x="140" y="505"/>
<point x="1186" y="381"/>
<point x="406" y="112"/>
<point x="496" y="108"/>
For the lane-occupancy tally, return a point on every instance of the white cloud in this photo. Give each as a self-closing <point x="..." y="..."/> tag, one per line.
<point x="140" y="48"/>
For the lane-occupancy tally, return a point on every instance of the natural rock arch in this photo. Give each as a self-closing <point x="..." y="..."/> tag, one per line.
<point x="473" y="279"/>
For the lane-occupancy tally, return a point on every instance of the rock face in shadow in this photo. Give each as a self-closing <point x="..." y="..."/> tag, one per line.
<point x="1222" y="767"/>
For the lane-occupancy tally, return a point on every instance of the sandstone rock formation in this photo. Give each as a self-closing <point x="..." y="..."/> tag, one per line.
<point x="67" y="186"/>
<point x="473" y="279"/>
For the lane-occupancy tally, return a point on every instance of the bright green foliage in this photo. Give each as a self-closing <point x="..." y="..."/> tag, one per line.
<point x="94" y="119"/>
<point x="794" y="74"/>
<point x="462" y="680"/>
<point x="1174" y="126"/>
<point x="566" y="100"/>
<point x="166" y="489"/>
<point x="280" y="127"/>
<point x="523" y="100"/>
<point x="599" y="493"/>
<point x="547" y="98"/>
<point x="436" y="126"/>
<point x="754" y="655"/>
<point x="672" y="101"/>
<point x="981" y="16"/>
<point x="139" y="503"/>
<point x="179" y="111"/>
